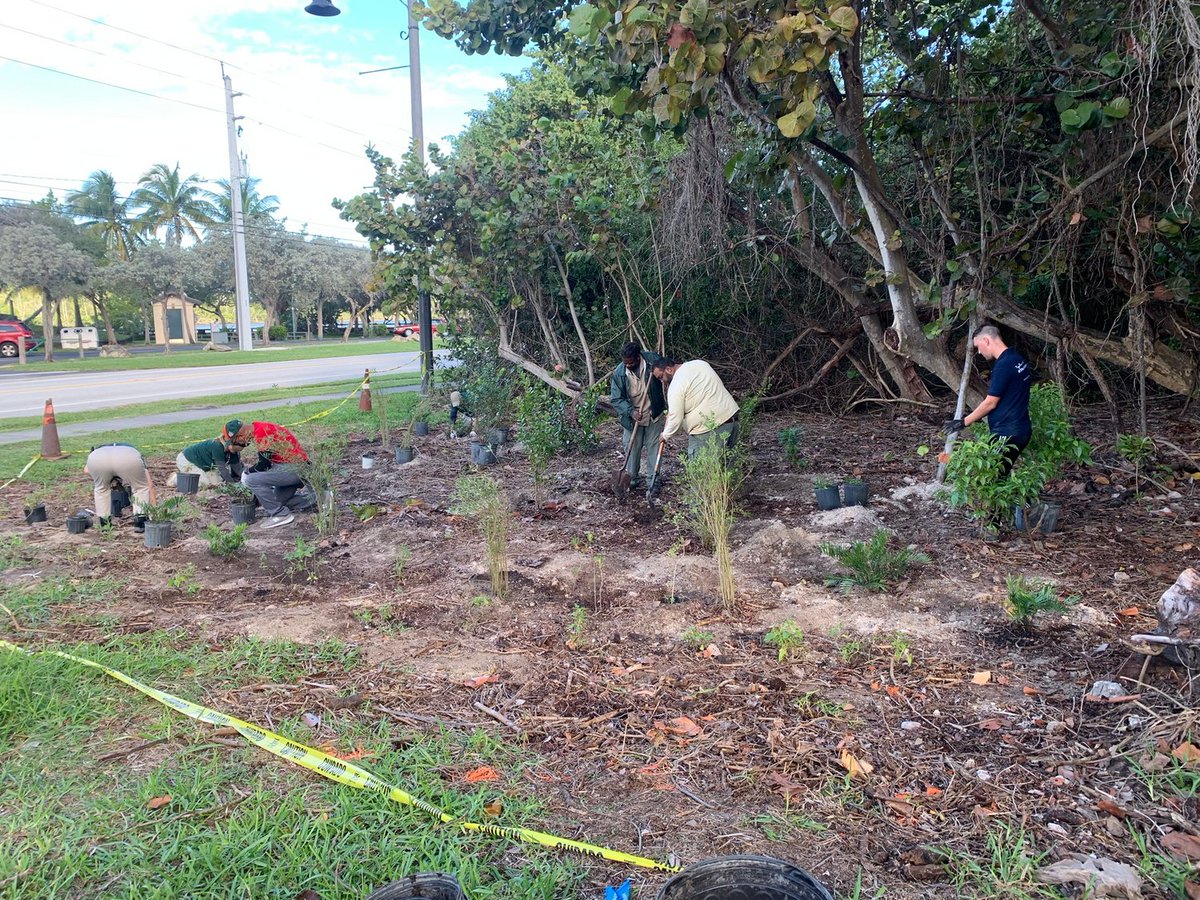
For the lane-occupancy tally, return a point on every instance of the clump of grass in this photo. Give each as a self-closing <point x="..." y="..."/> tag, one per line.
<point x="400" y="562"/>
<point x="786" y="637"/>
<point x="479" y="497"/>
<point x="225" y="544"/>
<point x="711" y="479"/>
<point x="1027" y="598"/>
<point x="872" y="565"/>
<point x="1006" y="869"/>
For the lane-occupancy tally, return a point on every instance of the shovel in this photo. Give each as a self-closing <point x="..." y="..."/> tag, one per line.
<point x="622" y="479"/>
<point x="662" y="446"/>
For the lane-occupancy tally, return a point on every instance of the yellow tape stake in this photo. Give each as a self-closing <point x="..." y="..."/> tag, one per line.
<point x="347" y="773"/>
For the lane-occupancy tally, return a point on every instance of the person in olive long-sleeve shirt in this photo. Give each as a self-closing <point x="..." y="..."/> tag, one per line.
<point x="217" y="461"/>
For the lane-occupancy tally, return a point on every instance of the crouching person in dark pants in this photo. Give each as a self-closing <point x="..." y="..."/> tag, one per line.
<point x="275" y="480"/>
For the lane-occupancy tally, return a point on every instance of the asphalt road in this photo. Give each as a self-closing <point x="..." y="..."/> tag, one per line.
<point x="24" y="394"/>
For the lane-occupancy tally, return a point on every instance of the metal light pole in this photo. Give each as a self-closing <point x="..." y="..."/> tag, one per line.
<point x="424" y="308"/>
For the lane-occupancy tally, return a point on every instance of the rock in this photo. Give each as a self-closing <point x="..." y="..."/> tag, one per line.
<point x="1120" y="577"/>
<point x="114" y="350"/>
<point x="910" y="726"/>
<point x="219" y="348"/>
<point x="1174" y="495"/>
<point x="1101" y="876"/>
<point x="1107" y="689"/>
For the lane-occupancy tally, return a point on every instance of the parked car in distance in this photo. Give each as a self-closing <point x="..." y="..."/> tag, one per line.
<point x="408" y="329"/>
<point x="10" y="333"/>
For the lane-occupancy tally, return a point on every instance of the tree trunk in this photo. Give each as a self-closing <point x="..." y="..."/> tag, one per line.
<point x="321" y="320"/>
<point x="78" y="313"/>
<point x="147" y="313"/>
<point x="48" y="325"/>
<point x="268" y="320"/>
<point x="101" y="306"/>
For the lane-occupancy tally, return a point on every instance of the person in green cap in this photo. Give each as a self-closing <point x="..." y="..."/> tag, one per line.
<point x="217" y="461"/>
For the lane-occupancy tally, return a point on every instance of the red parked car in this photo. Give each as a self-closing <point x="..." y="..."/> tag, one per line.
<point x="408" y="329"/>
<point x="10" y="333"/>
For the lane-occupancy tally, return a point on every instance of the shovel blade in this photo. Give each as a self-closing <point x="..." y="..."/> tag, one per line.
<point x="621" y="486"/>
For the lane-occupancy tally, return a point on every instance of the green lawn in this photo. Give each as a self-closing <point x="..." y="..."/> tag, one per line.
<point x="64" y="362"/>
<point x="198" y="817"/>
<point x="20" y="423"/>
<point x="167" y="440"/>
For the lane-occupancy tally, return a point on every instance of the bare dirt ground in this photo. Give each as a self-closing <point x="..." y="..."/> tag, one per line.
<point x="659" y="739"/>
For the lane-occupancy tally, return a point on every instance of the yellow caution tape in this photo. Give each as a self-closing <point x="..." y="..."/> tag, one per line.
<point x="21" y="474"/>
<point x="347" y="773"/>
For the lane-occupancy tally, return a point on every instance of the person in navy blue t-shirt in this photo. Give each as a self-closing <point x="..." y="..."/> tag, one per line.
<point x="1007" y="403"/>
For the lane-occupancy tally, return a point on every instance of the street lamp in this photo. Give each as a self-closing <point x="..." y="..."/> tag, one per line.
<point x="424" y="311"/>
<point x="322" y="8"/>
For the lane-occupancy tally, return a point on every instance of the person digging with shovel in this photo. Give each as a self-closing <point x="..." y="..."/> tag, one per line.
<point x="1006" y="405"/>
<point x="119" y="466"/>
<point x="638" y="398"/>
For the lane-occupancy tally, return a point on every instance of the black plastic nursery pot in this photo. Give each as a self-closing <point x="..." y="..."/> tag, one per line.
<point x="855" y="493"/>
<point x="420" y="429"/>
<point x="120" y="501"/>
<point x="828" y="497"/>
<point x="1041" y="516"/>
<point x="139" y="522"/>
<point x="187" y="483"/>
<point x="497" y="436"/>
<point x="427" y="885"/>
<point x="405" y="454"/>
<point x="158" y="534"/>
<point x="482" y="454"/>
<point x="35" y="514"/>
<point x="78" y="524"/>
<point x="243" y="512"/>
<point x="743" y="878"/>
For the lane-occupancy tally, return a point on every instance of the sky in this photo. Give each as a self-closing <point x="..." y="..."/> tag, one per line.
<point x="308" y="113"/>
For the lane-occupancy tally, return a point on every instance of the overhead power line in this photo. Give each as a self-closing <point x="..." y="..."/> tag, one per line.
<point x="119" y="87"/>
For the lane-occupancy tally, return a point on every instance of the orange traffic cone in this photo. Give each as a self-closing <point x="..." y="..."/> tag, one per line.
<point x="51" y="449"/>
<point x="364" y="396"/>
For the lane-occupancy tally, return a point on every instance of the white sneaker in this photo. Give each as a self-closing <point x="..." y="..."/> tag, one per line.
<point x="277" y="521"/>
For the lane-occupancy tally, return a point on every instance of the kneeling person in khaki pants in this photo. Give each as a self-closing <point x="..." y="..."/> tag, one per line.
<point x="122" y="462"/>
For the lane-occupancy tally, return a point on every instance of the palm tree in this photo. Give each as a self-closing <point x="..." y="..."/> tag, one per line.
<point x="255" y="207"/>
<point x="178" y="204"/>
<point x="105" y="213"/>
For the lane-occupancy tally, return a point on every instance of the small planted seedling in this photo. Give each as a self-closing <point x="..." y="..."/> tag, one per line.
<point x="481" y="601"/>
<point x="872" y="565"/>
<point x="789" y="442"/>
<point x="1137" y="449"/>
<point x="786" y="637"/>
<point x="185" y="581"/>
<point x="577" y="628"/>
<point x="1027" y="598"/>
<point x="302" y="560"/>
<point x="696" y="637"/>
<point x="400" y="563"/>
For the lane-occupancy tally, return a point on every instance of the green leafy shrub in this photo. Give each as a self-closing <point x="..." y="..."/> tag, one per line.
<point x="277" y="332"/>
<point x="185" y="581"/>
<point x="225" y="544"/>
<point x="173" y="509"/>
<point x="1027" y="598"/>
<point x="975" y="466"/>
<point x="872" y="565"/>
<point x="302" y="560"/>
